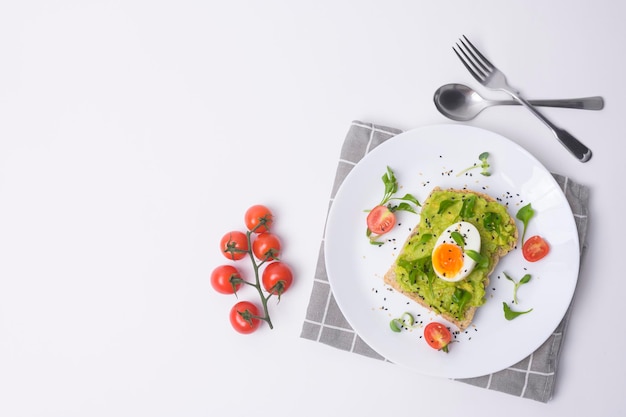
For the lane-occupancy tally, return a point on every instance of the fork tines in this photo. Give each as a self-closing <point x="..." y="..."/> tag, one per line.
<point x="474" y="61"/>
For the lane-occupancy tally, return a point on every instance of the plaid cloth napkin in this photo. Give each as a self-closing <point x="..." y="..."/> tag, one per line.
<point x="533" y="377"/>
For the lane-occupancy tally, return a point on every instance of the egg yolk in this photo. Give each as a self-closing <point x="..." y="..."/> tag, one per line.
<point x="448" y="259"/>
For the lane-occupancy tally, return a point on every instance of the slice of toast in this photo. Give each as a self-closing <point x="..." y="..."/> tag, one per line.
<point x="425" y="287"/>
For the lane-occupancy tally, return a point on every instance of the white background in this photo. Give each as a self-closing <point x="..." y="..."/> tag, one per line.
<point x="134" y="134"/>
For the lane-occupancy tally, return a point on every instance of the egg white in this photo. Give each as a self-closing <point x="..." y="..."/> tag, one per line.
<point x="471" y="236"/>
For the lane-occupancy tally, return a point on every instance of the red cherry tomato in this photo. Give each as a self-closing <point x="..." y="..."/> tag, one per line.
<point x="535" y="248"/>
<point x="380" y="220"/>
<point x="244" y="317"/>
<point x="277" y="278"/>
<point x="226" y="279"/>
<point x="266" y="246"/>
<point x="258" y="218"/>
<point x="437" y="336"/>
<point x="234" y="245"/>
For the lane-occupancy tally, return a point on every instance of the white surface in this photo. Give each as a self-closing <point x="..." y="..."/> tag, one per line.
<point x="356" y="268"/>
<point x="134" y="133"/>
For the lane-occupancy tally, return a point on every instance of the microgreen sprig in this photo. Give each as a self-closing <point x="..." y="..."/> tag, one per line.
<point x="391" y="187"/>
<point x="381" y="218"/>
<point x="525" y="279"/>
<point x="484" y="165"/>
<point x="406" y="320"/>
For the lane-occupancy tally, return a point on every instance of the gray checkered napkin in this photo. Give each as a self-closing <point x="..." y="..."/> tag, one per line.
<point x="533" y="377"/>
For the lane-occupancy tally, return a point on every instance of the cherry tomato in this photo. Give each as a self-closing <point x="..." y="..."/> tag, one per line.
<point x="535" y="248"/>
<point x="381" y="220"/>
<point x="226" y="279"/>
<point x="234" y="245"/>
<point x="437" y="336"/>
<point x="266" y="246"/>
<point x="277" y="278"/>
<point x="258" y="218"/>
<point x="244" y="317"/>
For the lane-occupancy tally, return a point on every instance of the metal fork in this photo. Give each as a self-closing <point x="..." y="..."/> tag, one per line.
<point x="491" y="77"/>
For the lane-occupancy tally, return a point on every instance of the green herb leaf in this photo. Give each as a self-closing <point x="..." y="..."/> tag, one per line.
<point x="492" y="221"/>
<point x="431" y="279"/>
<point x="372" y="239"/>
<point x="467" y="210"/>
<point x="411" y="198"/>
<point x="395" y="325"/>
<point x="458" y="238"/>
<point x="425" y="238"/>
<point x="391" y="185"/>
<point x="481" y="260"/>
<point x="444" y="205"/>
<point x="484" y="165"/>
<point x="461" y="298"/>
<point x="403" y="207"/>
<point x="510" y="314"/>
<point x="525" y="214"/>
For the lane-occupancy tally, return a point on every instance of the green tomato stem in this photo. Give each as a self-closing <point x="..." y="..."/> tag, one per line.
<point x="257" y="283"/>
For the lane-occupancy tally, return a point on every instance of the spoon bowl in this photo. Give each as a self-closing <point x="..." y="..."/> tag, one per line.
<point x="461" y="103"/>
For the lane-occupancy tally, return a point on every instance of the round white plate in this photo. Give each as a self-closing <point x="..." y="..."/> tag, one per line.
<point x="422" y="159"/>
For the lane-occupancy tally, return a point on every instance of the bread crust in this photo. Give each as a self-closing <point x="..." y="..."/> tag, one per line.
<point x="390" y="275"/>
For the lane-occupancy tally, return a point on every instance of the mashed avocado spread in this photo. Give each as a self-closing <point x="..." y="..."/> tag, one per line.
<point x="414" y="271"/>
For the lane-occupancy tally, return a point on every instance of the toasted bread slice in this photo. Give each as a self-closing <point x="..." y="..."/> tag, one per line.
<point x="498" y="238"/>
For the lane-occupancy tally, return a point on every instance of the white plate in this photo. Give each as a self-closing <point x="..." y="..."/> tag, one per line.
<point x="422" y="159"/>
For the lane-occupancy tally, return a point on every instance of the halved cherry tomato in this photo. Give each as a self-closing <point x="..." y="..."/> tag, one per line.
<point x="266" y="246"/>
<point x="437" y="336"/>
<point x="244" y="317"/>
<point x="258" y="218"/>
<point x="277" y="278"/>
<point x="226" y="279"/>
<point x="234" y="245"/>
<point x="380" y="220"/>
<point x="535" y="248"/>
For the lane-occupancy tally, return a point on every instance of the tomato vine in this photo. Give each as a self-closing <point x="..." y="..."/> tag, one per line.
<point x="272" y="277"/>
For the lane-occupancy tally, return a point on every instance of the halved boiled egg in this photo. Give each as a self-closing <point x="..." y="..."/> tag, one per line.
<point x="450" y="260"/>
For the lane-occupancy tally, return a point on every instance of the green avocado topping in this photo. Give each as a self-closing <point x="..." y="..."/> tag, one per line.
<point x="414" y="271"/>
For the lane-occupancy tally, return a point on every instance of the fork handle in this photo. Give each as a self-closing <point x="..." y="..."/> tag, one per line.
<point x="576" y="147"/>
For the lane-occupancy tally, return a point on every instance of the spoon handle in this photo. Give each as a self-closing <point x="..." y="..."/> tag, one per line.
<point x="585" y="103"/>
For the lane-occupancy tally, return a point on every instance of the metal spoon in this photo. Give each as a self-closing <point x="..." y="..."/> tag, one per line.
<point x="459" y="102"/>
